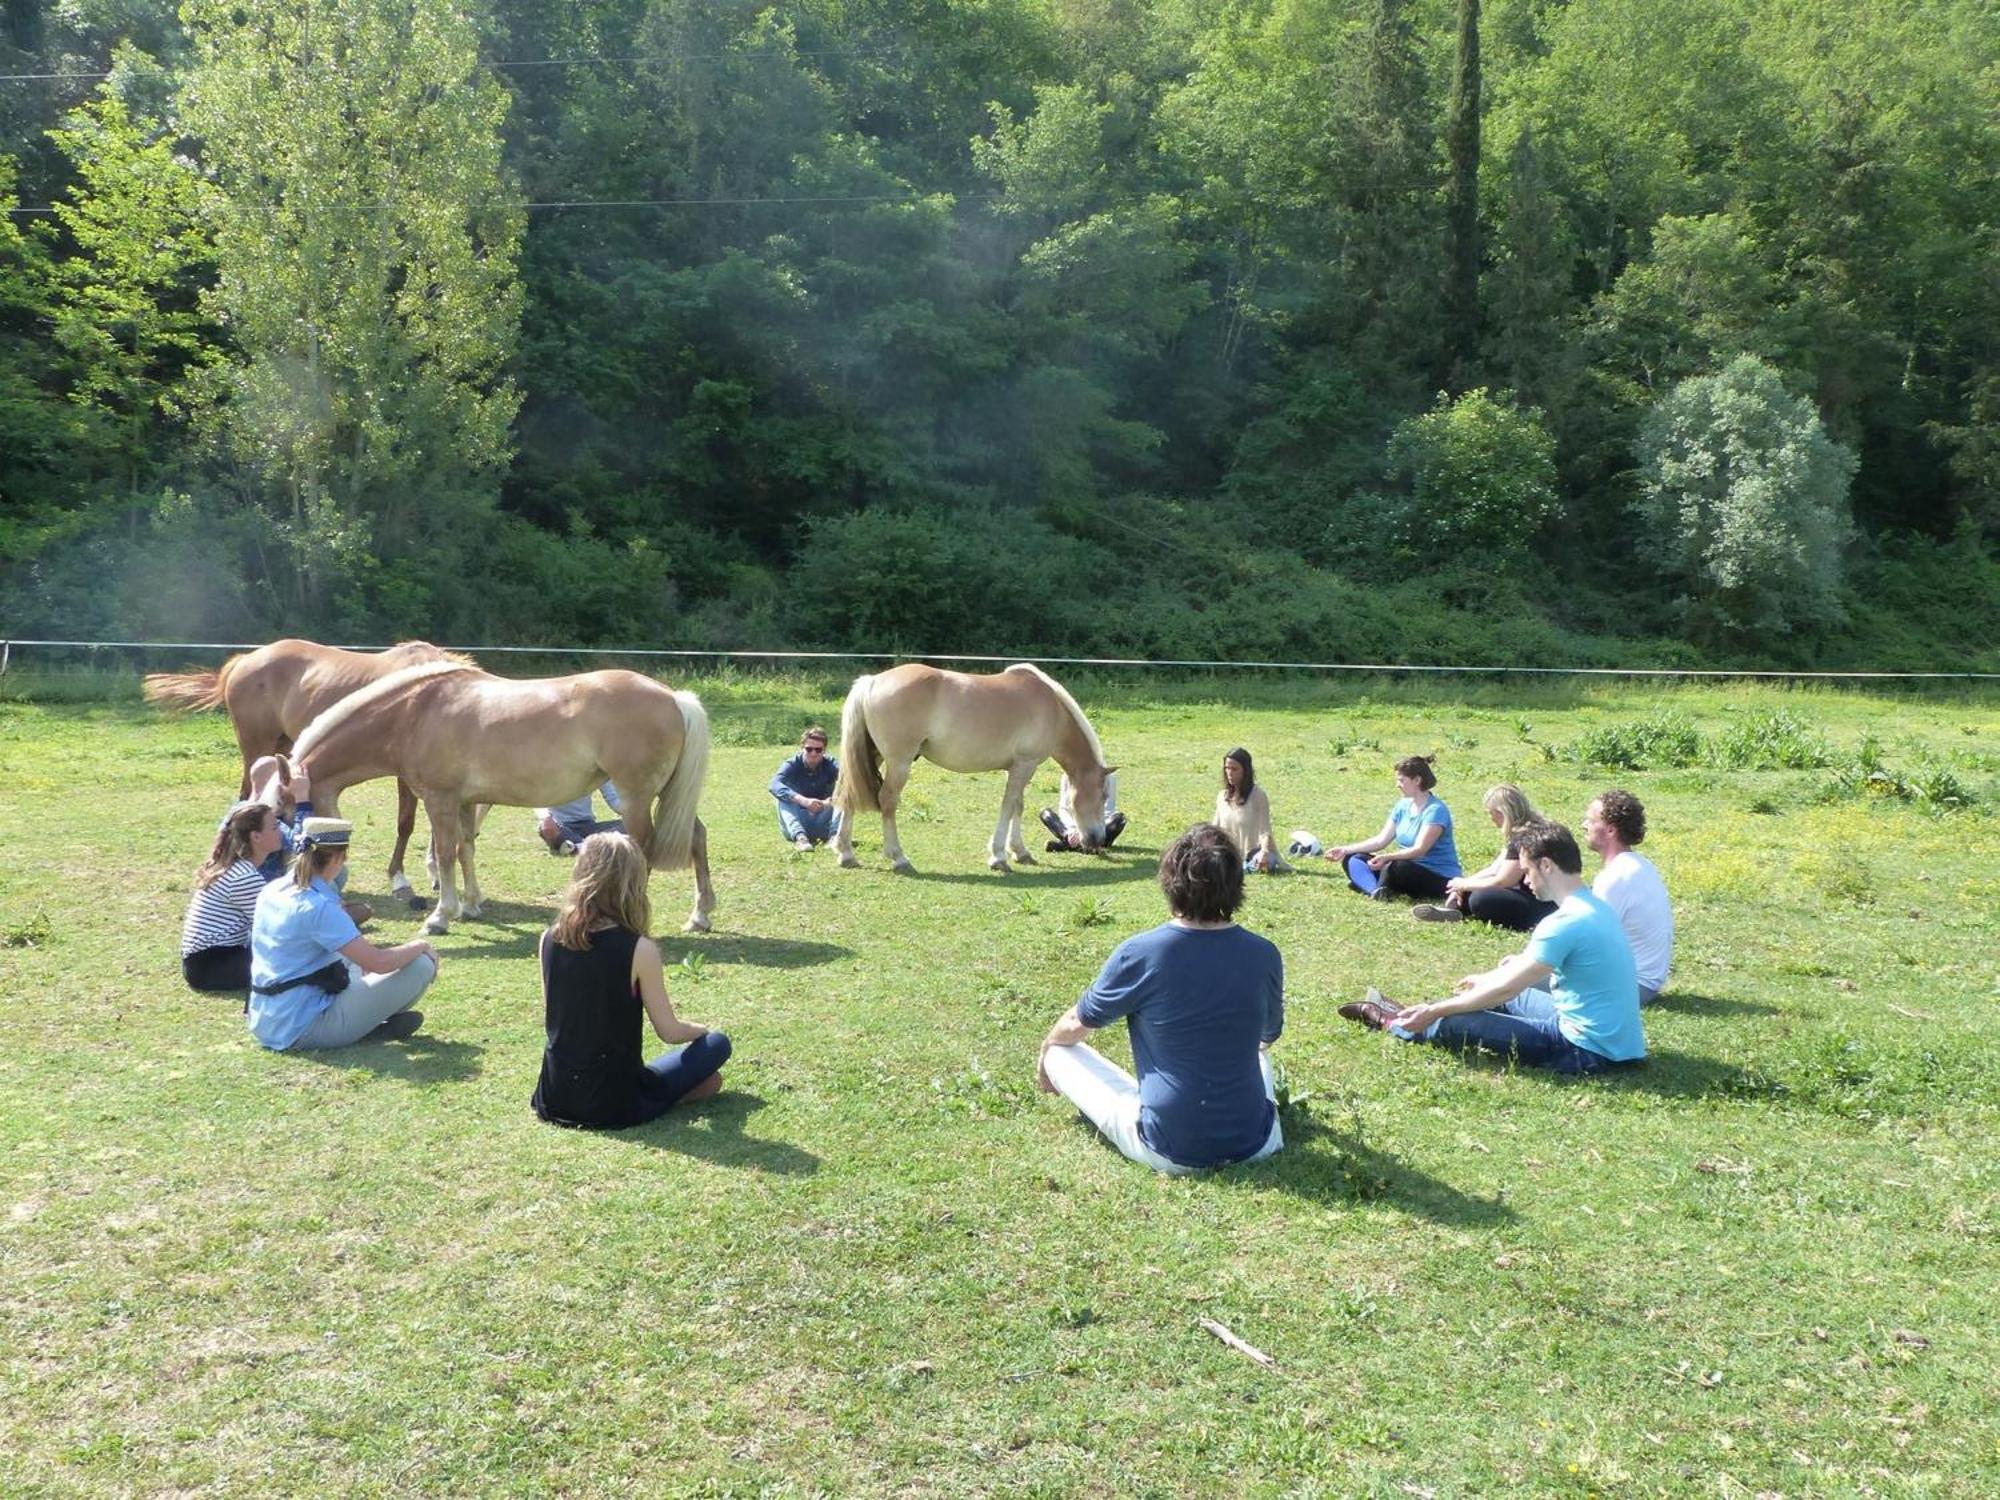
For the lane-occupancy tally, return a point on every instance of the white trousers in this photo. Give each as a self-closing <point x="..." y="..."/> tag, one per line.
<point x="1109" y="1099"/>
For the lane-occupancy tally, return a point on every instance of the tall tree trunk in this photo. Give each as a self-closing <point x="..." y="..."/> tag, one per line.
<point x="1460" y="352"/>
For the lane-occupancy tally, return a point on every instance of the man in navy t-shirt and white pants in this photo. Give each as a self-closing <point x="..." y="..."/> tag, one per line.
<point x="1203" y="1000"/>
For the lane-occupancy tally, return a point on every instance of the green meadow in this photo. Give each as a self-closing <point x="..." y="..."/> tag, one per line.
<point x="1763" y="1263"/>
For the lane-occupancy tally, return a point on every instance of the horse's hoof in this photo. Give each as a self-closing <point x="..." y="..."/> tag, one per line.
<point x="418" y="903"/>
<point x="1001" y="865"/>
<point x="849" y="862"/>
<point x="400" y="886"/>
<point x="696" y="924"/>
<point x="436" y="928"/>
<point x="903" y="867"/>
<point x="469" y="912"/>
<point x="1025" y="858"/>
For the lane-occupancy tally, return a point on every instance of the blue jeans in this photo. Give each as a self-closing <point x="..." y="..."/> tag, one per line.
<point x="817" y="826"/>
<point x="1525" y="1027"/>
<point x="579" y="829"/>
<point x="671" y="1075"/>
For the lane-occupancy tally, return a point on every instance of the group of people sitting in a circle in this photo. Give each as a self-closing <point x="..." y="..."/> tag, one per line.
<point x="1203" y="998"/>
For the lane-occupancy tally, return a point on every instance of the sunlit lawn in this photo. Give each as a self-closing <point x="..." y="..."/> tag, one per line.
<point x="1764" y="1262"/>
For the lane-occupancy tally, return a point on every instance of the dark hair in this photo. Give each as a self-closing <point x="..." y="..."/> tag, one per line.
<point x="1242" y="794"/>
<point x="814" y="732"/>
<point x="1201" y="873"/>
<point x="232" y="841"/>
<point x="1625" y="814"/>
<point x="1551" y="841"/>
<point x="1418" y="766"/>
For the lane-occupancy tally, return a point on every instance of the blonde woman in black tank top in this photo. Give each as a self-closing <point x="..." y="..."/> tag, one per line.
<point x="601" y="981"/>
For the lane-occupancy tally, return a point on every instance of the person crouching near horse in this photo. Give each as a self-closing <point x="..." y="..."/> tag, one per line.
<point x="315" y="981"/>
<point x="1203" y="1000"/>
<point x="601" y="980"/>
<point x="215" y="937"/>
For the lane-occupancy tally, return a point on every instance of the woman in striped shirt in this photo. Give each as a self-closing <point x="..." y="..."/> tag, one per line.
<point x="215" y="938"/>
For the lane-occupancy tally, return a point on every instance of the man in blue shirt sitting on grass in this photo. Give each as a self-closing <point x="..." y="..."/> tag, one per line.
<point x="1585" y="1020"/>
<point x="1203" y="1000"/>
<point x="803" y="787"/>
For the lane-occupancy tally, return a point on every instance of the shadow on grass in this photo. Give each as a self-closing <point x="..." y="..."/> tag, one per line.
<point x="1335" y="1166"/>
<point x="1065" y="871"/>
<point x="1664" y="1072"/>
<point x="419" y="1059"/>
<point x="1674" y="1002"/>
<point x="745" y="948"/>
<point x="713" y="1131"/>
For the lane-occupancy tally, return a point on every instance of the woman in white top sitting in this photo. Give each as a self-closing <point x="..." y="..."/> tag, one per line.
<point x="1243" y="811"/>
<point x="215" y="938"/>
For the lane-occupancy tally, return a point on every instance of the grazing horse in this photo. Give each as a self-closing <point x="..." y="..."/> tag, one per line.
<point x="1010" y="721"/>
<point x="462" y="737"/>
<point x="272" y="693"/>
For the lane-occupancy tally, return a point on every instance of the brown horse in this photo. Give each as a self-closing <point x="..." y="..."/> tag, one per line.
<point x="272" y="693"/>
<point x="1011" y="721"/>
<point x="462" y="737"/>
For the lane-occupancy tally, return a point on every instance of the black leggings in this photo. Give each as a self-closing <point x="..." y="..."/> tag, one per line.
<point x="1512" y="908"/>
<point x="1408" y="878"/>
<point x="218" y="971"/>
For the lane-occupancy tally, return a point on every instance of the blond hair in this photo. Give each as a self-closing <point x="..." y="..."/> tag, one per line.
<point x="609" y="885"/>
<point x="315" y="859"/>
<point x="232" y="842"/>
<point x="1512" y="804"/>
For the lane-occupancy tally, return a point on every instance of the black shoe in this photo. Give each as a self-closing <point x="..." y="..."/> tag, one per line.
<point x="403" y="1023"/>
<point x="1114" y="826"/>
<point x="1054" y="825"/>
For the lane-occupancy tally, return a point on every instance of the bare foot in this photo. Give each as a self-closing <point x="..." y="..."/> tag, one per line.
<point x="708" y="1088"/>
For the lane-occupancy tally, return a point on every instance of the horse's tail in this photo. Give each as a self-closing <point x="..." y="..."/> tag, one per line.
<point x="189" y="692"/>
<point x="859" y="789"/>
<point x="674" y="809"/>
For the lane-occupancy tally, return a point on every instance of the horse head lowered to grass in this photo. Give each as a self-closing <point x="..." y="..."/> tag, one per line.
<point x="462" y="737"/>
<point x="1009" y="721"/>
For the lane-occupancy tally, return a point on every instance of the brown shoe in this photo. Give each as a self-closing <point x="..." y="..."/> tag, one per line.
<point x="1376" y="1013"/>
<point x="1437" y="914"/>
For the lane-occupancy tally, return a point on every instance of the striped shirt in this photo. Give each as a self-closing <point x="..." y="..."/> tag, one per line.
<point x="219" y="916"/>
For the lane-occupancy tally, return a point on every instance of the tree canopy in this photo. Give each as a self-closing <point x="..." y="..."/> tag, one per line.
<point x="1136" y="327"/>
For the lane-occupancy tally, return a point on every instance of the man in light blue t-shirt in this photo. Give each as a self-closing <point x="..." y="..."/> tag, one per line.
<point x="1587" y="1017"/>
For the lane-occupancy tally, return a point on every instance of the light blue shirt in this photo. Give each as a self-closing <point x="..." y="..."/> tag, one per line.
<point x="1596" y="986"/>
<point x="583" y="810"/>
<point x="294" y="932"/>
<point x="1411" y="822"/>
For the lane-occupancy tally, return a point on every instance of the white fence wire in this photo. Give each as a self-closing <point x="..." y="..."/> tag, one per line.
<point x="7" y="647"/>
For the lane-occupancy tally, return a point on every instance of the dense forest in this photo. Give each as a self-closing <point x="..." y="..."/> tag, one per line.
<point x="1603" y="331"/>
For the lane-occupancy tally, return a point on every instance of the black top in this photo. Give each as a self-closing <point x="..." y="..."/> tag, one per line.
<point x="591" y="1067"/>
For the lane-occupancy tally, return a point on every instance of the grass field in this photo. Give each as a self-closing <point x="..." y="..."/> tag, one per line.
<point x="1763" y="1263"/>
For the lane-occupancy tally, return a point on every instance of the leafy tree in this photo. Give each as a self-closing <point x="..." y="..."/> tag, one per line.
<point x="366" y="271"/>
<point x="1744" y="501"/>
<point x="1481" y="475"/>
<point x="126" y="305"/>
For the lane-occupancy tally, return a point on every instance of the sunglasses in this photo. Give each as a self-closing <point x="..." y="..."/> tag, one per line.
<point x="813" y="749"/>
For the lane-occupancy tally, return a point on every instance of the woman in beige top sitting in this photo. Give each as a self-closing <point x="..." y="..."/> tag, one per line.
<point x="1243" y="811"/>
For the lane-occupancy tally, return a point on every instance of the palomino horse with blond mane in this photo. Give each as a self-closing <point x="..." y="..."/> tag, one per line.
<point x="272" y="693"/>
<point x="463" y="738"/>
<point x="1010" y="721"/>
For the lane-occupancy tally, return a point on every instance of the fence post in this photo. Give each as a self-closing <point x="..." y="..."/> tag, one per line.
<point x="6" y="655"/>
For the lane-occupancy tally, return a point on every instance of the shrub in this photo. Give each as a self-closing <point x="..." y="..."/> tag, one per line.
<point x="1772" y="740"/>
<point x="1662" y="739"/>
<point x="1482" y="477"/>
<point x="1744" y="498"/>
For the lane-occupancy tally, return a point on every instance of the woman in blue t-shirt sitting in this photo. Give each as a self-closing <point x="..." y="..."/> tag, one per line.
<point x="315" y="981"/>
<point x="1203" y="1000"/>
<point x="1414" y="854"/>
<point x="601" y="981"/>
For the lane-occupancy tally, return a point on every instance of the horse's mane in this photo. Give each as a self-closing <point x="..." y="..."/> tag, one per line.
<point x="420" y="651"/>
<point x="1063" y="697"/>
<point x="316" y="733"/>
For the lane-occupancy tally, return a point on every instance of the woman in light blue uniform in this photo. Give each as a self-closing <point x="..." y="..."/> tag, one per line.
<point x="315" y="981"/>
<point x="1414" y="854"/>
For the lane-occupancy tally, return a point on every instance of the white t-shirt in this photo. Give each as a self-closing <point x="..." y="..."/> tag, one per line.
<point x="1066" y="801"/>
<point x="1630" y="886"/>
